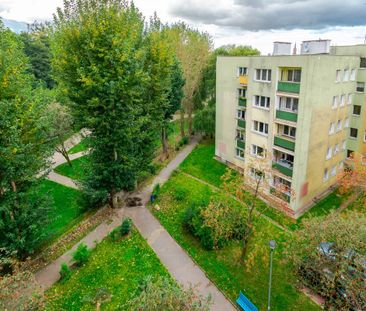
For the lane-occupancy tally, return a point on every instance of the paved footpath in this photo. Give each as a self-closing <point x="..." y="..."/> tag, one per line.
<point x="175" y="259"/>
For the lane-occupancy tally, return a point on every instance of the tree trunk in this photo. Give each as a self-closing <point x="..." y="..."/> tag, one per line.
<point x="63" y="151"/>
<point x="111" y="198"/>
<point x="182" y="133"/>
<point x="164" y="142"/>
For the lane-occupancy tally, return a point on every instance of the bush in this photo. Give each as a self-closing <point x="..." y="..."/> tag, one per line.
<point x="81" y="255"/>
<point x="164" y="294"/>
<point x="156" y="190"/>
<point x="126" y="226"/>
<point x="65" y="271"/>
<point x="215" y="224"/>
<point x="180" y="194"/>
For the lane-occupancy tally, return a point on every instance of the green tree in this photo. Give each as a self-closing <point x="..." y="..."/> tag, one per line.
<point x="103" y="63"/>
<point x="204" y="120"/>
<point x="24" y="149"/>
<point x="38" y="50"/>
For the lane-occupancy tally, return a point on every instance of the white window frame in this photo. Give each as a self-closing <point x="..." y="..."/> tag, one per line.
<point x="293" y="75"/>
<point x="345" y="75"/>
<point x="239" y="114"/>
<point x="258" y="101"/>
<point x="333" y="172"/>
<point x="349" y="99"/>
<point x="353" y="110"/>
<point x="290" y="128"/>
<point x="238" y="153"/>
<point x="257" y="127"/>
<point x="254" y="151"/>
<point x="240" y="135"/>
<point x="329" y="153"/>
<point x="338" y="75"/>
<point x="335" y="102"/>
<point x="346" y="123"/>
<point x="242" y="92"/>
<point x="331" y="128"/>
<point x="353" y="75"/>
<point x="263" y="73"/>
<point x="242" y="71"/>
<point x="339" y="125"/>
<point x="284" y="101"/>
<point x="336" y="149"/>
<point x="344" y="145"/>
<point x="342" y="101"/>
<point x="326" y="175"/>
<point x="364" y="137"/>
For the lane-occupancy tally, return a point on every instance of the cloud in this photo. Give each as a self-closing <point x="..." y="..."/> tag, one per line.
<point x="255" y="15"/>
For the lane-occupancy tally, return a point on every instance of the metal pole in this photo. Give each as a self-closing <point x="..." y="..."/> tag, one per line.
<point x="272" y="246"/>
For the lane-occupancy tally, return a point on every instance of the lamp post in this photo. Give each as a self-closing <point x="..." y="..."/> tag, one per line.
<point x="272" y="246"/>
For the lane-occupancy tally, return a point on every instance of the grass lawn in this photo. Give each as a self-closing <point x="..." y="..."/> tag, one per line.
<point x="82" y="146"/>
<point x="66" y="210"/>
<point x="358" y="205"/>
<point x="118" y="267"/>
<point x="223" y="266"/>
<point x="76" y="171"/>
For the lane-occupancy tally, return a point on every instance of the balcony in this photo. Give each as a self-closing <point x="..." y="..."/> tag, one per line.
<point x="283" y="167"/>
<point x="286" y="115"/>
<point x="241" y="123"/>
<point x="242" y="102"/>
<point x="288" y="87"/>
<point x="281" y="195"/>
<point x="243" y="80"/>
<point x="284" y="143"/>
<point x="240" y="144"/>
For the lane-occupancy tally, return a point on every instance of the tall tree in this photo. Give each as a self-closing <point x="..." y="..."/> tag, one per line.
<point x="101" y="62"/>
<point x="24" y="149"/>
<point x="192" y="49"/>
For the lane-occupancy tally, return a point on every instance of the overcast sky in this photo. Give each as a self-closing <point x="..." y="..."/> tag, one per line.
<point x="252" y="22"/>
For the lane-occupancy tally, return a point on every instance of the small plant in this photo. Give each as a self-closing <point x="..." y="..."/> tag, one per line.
<point x="115" y="234"/>
<point x="180" y="194"/>
<point x="126" y="226"/>
<point x="156" y="190"/>
<point x="81" y="255"/>
<point x="65" y="271"/>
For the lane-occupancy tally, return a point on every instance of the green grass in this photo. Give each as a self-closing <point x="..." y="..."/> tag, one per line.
<point x="201" y="164"/>
<point x="82" y="146"/>
<point x="66" y="210"/>
<point x="223" y="266"/>
<point x="76" y="171"/>
<point x="119" y="267"/>
<point x="358" y="205"/>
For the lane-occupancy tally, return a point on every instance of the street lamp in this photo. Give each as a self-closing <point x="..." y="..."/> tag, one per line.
<point x="272" y="246"/>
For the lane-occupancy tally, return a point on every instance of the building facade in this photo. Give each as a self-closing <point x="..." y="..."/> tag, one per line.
<point x="301" y="115"/>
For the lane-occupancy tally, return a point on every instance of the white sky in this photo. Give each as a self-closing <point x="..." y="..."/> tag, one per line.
<point x="30" y="10"/>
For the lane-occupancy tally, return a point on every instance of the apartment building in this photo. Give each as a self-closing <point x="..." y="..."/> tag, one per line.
<point x="301" y="115"/>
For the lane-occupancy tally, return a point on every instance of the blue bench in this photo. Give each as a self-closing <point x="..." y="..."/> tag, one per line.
<point x="245" y="303"/>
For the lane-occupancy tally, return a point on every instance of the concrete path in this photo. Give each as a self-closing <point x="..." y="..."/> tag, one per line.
<point x="63" y="180"/>
<point x="176" y="260"/>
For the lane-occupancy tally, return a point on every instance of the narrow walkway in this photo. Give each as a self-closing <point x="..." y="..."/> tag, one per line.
<point x="176" y="260"/>
<point x="63" y="180"/>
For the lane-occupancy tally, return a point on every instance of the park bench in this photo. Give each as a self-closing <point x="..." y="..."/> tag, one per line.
<point x="245" y="303"/>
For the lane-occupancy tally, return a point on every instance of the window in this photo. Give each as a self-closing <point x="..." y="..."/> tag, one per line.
<point x="346" y="75"/>
<point x="364" y="137"/>
<point x="294" y="75"/>
<point x="329" y="153"/>
<point x="363" y="62"/>
<point x="257" y="174"/>
<point x="349" y="101"/>
<point x="331" y="128"/>
<point x="340" y="165"/>
<point x="240" y="135"/>
<point x="242" y="92"/>
<point x="334" y="170"/>
<point x="241" y="114"/>
<point x="346" y="123"/>
<point x="339" y="125"/>
<point x="261" y="101"/>
<point x="289" y="131"/>
<point x="263" y="75"/>
<point x="242" y="71"/>
<point x="336" y="149"/>
<point x="240" y="153"/>
<point x="353" y="132"/>
<point x="289" y="104"/>
<point x="353" y="75"/>
<point x="335" y="102"/>
<point x="326" y="175"/>
<point x="338" y="76"/>
<point x="257" y="151"/>
<point x="343" y="99"/>
<point x="356" y="110"/>
<point x="260" y="127"/>
<point x="360" y="87"/>
<point x="349" y="154"/>
<point x="344" y="145"/>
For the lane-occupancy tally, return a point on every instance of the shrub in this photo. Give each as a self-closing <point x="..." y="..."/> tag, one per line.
<point x="126" y="226"/>
<point x="215" y="224"/>
<point x="163" y="294"/>
<point x="65" y="271"/>
<point x="180" y="194"/>
<point x="156" y="190"/>
<point x="81" y="255"/>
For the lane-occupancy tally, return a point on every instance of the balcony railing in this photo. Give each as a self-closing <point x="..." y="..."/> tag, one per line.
<point x="240" y="144"/>
<point x="283" y="168"/>
<point x="284" y="143"/>
<point x="283" y="196"/>
<point x="288" y="87"/>
<point x="286" y="115"/>
<point x="241" y="123"/>
<point x="243" y="80"/>
<point x="242" y="102"/>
